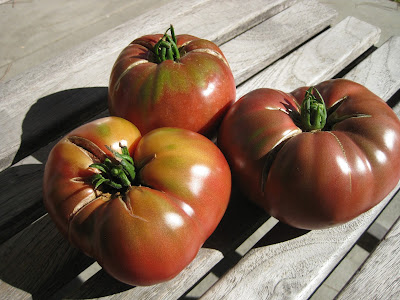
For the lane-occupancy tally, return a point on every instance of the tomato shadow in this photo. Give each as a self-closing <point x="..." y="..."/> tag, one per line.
<point x="238" y="228"/>
<point x="35" y="258"/>
<point x="280" y="233"/>
<point x="21" y="195"/>
<point x="39" y="261"/>
<point x="99" y="285"/>
<point x="242" y="218"/>
<point x="48" y="119"/>
<point x="56" y="114"/>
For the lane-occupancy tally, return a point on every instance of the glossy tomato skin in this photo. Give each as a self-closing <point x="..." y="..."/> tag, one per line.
<point x="313" y="179"/>
<point x="193" y="92"/>
<point x="151" y="232"/>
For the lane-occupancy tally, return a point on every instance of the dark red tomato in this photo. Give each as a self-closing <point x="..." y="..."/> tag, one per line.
<point x="143" y="219"/>
<point x="167" y="81"/>
<point x="312" y="164"/>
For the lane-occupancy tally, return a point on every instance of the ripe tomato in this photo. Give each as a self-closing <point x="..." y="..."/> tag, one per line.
<point x="313" y="164"/>
<point x="167" y="81"/>
<point x="147" y="229"/>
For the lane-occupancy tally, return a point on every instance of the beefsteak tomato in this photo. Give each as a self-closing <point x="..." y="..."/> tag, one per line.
<point x="143" y="219"/>
<point x="316" y="157"/>
<point x="171" y="81"/>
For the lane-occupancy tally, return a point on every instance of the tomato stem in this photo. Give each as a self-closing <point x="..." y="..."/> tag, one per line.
<point x="117" y="172"/>
<point x="313" y="111"/>
<point x="166" y="48"/>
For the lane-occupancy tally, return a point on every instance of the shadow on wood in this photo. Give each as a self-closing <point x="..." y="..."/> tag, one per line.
<point x="58" y="113"/>
<point x="241" y="219"/>
<point x="280" y="233"/>
<point x="38" y="261"/>
<point x="99" y="285"/>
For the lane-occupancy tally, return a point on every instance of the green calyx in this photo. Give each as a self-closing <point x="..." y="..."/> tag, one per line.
<point x="166" y="48"/>
<point x="117" y="172"/>
<point x="313" y="111"/>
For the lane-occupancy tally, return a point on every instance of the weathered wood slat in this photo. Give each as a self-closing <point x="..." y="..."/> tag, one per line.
<point x="15" y="204"/>
<point x="39" y="261"/>
<point x="380" y="71"/>
<point x="292" y="268"/>
<point x="379" y="276"/>
<point x="30" y="262"/>
<point x="73" y="85"/>
<point x="101" y="284"/>
<point x="220" y="21"/>
<point x="319" y="59"/>
<point x="298" y="266"/>
<point x="253" y="44"/>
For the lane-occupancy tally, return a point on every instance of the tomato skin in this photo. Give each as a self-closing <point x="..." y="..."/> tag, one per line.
<point x="192" y="93"/>
<point x="313" y="179"/>
<point x="151" y="232"/>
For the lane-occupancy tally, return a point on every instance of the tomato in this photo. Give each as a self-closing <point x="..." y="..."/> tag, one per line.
<point x="171" y="81"/>
<point x="148" y="220"/>
<point x="313" y="163"/>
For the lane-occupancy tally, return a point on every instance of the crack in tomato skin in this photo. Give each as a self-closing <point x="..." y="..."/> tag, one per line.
<point x="88" y="147"/>
<point x="123" y="230"/>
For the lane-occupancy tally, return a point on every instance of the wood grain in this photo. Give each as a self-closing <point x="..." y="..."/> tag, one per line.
<point x="37" y="262"/>
<point x="276" y="37"/>
<point x="73" y="86"/>
<point x="379" y="276"/>
<point x="292" y="268"/>
<point x="103" y="285"/>
<point x="380" y="71"/>
<point x="321" y="58"/>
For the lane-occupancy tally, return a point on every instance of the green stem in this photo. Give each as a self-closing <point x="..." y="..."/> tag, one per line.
<point x="166" y="48"/>
<point x="313" y="111"/>
<point x="117" y="172"/>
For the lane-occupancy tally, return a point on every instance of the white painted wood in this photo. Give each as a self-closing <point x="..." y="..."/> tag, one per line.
<point x="379" y="277"/>
<point x="319" y="59"/>
<point x="89" y="65"/>
<point x="295" y="268"/>
<point x="257" y="48"/>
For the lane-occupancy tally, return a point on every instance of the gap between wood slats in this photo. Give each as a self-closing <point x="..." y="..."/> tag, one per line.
<point x="367" y="241"/>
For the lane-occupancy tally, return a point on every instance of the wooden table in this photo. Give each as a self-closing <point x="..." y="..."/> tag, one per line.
<point x="281" y="44"/>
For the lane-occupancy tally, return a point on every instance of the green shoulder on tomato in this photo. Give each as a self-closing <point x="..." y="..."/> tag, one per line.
<point x="141" y="206"/>
<point x="171" y="81"/>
